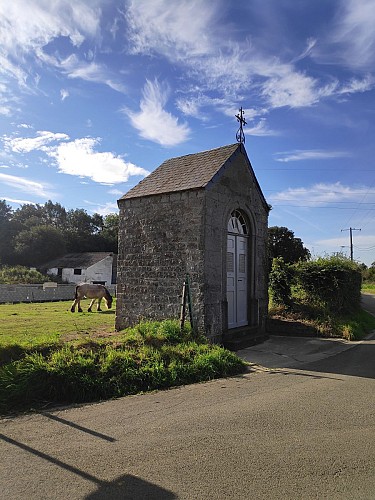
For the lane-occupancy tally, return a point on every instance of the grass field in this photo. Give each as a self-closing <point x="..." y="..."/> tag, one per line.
<point x="35" y="324"/>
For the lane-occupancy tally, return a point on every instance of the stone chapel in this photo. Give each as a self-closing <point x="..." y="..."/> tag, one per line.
<point x="202" y="214"/>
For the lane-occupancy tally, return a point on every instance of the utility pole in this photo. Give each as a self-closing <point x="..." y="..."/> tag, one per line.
<point x="351" y="229"/>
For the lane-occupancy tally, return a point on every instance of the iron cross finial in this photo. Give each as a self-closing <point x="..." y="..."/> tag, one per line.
<point x="240" y="136"/>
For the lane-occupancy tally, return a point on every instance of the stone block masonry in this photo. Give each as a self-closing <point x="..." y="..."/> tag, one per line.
<point x="160" y="241"/>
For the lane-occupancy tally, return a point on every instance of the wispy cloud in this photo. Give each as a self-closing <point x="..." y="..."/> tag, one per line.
<point x="160" y="27"/>
<point x="351" y="40"/>
<point x="26" y="145"/>
<point x="17" y="201"/>
<point x="153" y="122"/>
<point x="210" y="52"/>
<point x="260" y="129"/>
<point x="28" y="186"/>
<point x="290" y="88"/>
<point x="80" y="158"/>
<point x="309" y="154"/>
<point x="357" y="85"/>
<point x="26" y="28"/>
<point x="320" y="195"/>
<point x="89" y="71"/>
<point x="64" y="94"/>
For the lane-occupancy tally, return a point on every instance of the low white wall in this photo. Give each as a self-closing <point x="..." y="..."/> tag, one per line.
<point x="40" y="293"/>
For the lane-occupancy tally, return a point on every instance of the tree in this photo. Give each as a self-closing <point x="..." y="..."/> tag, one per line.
<point x="283" y="243"/>
<point x="28" y="215"/>
<point x="54" y="215"/>
<point x="38" y="245"/>
<point x="110" y="231"/>
<point x="7" y="232"/>
<point x="5" y="211"/>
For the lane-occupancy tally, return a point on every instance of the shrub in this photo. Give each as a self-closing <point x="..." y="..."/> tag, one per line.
<point x="335" y="282"/>
<point x="280" y="282"/>
<point x="20" y="274"/>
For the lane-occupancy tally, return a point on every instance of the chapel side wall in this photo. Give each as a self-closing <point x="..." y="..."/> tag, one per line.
<point x="235" y="189"/>
<point x="160" y="240"/>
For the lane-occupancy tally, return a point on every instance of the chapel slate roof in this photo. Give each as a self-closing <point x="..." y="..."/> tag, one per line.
<point x="77" y="260"/>
<point x="183" y="173"/>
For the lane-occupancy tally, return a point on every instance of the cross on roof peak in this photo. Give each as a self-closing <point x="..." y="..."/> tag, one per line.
<point x="240" y="136"/>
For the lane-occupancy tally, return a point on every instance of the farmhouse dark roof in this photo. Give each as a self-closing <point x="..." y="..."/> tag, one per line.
<point x="184" y="172"/>
<point x="77" y="260"/>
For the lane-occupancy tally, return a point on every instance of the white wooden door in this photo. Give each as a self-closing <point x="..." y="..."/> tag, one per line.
<point x="237" y="281"/>
<point x="231" y="280"/>
<point x="241" y="271"/>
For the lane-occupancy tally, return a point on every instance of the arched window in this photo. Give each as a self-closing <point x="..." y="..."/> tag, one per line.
<point x="237" y="223"/>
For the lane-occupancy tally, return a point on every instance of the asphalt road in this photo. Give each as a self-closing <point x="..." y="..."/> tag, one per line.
<point x="301" y="433"/>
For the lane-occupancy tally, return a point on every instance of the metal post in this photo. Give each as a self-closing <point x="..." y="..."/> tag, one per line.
<point x="190" y="304"/>
<point x="183" y="306"/>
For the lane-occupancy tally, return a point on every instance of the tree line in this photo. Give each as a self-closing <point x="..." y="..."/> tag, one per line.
<point x="34" y="234"/>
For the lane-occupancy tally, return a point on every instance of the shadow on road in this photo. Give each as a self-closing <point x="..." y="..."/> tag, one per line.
<point x="356" y="362"/>
<point x="125" y="487"/>
<point x="129" y="487"/>
<point x="78" y="427"/>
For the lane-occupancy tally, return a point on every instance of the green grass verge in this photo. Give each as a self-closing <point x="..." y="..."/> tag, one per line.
<point x="368" y="288"/>
<point x="153" y="355"/>
<point x="357" y="325"/>
<point x="353" y="326"/>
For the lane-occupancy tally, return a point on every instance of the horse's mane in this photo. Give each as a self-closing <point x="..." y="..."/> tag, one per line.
<point x="108" y="296"/>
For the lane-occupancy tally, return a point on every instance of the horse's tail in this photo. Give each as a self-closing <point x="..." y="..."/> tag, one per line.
<point x="76" y="292"/>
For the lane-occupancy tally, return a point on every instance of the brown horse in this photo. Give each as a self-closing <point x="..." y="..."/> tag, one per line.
<point x="94" y="292"/>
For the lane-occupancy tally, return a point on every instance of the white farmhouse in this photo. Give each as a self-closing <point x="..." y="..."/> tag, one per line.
<point x="87" y="267"/>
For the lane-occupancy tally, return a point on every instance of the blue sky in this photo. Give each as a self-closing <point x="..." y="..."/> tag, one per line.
<point x="94" y="94"/>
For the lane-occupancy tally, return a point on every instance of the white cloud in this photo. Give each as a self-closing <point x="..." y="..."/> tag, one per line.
<point x="353" y="36"/>
<point x="260" y="129"/>
<point x="105" y="209"/>
<point x="31" y="187"/>
<point x="310" y="44"/>
<point x="153" y="122"/>
<point x="14" y="200"/>
<point x="5" y="110"/>
<point x="206" y="50"/>
<point x="27" y="27"/>
<point x="292" y="89"/>
<point x="80" y="158"/>
<point x="25" y="145"/>
<point x="357" y="85"/>
<point x="64" y="94"/>
<point x="89" y="71"/>
<point x="176" y="32"/>
<point x="115" y="192"/>
<point x="312" y="154"/>
<point x="320" y="195"/>
<point x="194" y="37"/>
